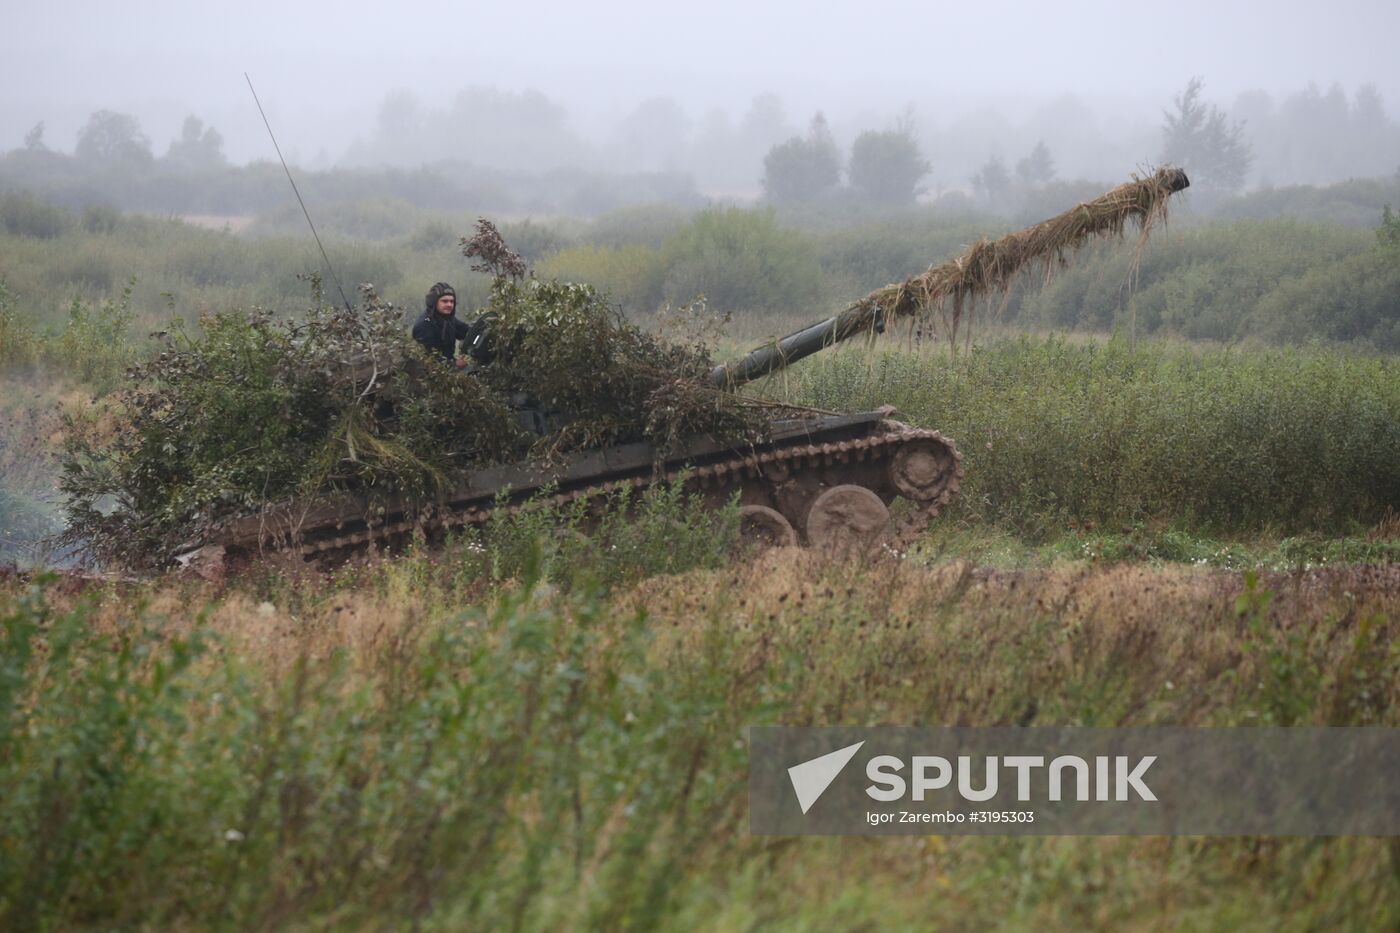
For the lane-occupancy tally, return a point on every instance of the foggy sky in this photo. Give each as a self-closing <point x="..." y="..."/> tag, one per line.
<point x="322" y="68"/>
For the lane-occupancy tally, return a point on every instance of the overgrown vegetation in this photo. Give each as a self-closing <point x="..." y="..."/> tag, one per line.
<point x="247" y="411"/>
<point x="1280" y="281"/>
<point x="392" y="748"/>
<point x="1056" y="432"/>
<point x="541" y="723"/>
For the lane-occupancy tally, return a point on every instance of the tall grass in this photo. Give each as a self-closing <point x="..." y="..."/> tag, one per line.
<point x="1055" y="432"/>
<point x="391" y="754"/>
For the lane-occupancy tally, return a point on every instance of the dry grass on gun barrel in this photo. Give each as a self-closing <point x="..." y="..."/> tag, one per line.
<point x="246" y="411"/>
<point x="991" y="267"/>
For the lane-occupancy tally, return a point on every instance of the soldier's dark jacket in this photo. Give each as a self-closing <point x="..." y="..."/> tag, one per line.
<point x="440" y="333"/>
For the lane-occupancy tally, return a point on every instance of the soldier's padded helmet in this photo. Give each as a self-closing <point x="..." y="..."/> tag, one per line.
<point x="437" y="291"/>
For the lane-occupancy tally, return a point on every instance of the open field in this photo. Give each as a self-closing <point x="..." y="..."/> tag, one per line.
<point x="533" y="729"/>
<point x="517" y="732"/>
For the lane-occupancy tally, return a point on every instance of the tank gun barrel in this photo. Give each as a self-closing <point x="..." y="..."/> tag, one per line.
<point x="795" y="346"/>
<point x="986" y="266"/>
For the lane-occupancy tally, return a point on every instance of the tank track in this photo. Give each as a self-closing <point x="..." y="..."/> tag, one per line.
<point x="787" y="480"/>
<point x="876" y="451"/>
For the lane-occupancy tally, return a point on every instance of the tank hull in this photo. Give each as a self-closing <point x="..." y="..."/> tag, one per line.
<point x="780" y="485"/>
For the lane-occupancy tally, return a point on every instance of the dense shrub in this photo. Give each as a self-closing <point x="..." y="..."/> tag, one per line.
<point x="1200" y="281"/>
<point x="99" y="218"/>
<point x="1351" y="203"/>
<point x="646" y="225"/>
<point x="629" y="537"/>
<point x="533" y="240"/>
<point x="1356" y="299"/>
<point x="248" y="412"/>
<point x="19" y="344"/>
<point x="95" y="344"/>
<point x="741" y="260"/>
<point x="25" y="215"/>
<point x="863" y="258"/>
<point x="630" y="275"/>
<point x="1203" y="283"/>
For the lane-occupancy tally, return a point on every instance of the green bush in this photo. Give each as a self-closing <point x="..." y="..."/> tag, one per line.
<point x="648" y="225"/>
<point x="19" y="344"/>
<point x="1350" y="203"/>
<point x="741" y="260"/>
<point x="1355" y="300"/>
<point x="99" y="218"/>
<point x="95" y="345"/>
<point x="248" y="412"/>
<point x="1205" y="283"/>
<point x="534" y="240"/>
<point x="1249" y="279"/>
<point x="25" y="215"/>
<point x="858" y="260"/>
<point x="627" y="537"/>
<point x="630" y="275"/>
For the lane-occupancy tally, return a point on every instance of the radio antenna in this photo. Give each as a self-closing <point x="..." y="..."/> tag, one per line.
<point x="317" y="236"/>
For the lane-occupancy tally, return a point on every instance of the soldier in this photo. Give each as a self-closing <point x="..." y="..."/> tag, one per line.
<point x="439" y="329"/>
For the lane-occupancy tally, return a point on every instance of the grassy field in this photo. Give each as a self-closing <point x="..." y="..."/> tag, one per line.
<point x="530" y="729"/>
<point x="427" y="742"/>
<point x="525" y="730"/>
<point x="1068" y="434"/>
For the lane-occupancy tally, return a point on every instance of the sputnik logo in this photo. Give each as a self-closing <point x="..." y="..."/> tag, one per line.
<point x="811" y="778"/>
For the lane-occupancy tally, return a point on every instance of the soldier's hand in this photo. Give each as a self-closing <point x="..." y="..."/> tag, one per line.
<point x="462" y="362"/>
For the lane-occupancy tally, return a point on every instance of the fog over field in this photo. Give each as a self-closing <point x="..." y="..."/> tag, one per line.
<point x="707" y="91"/>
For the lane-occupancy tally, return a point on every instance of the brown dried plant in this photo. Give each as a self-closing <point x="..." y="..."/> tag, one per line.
<point x="496" y="257"/>
<point x="989" y="266"/>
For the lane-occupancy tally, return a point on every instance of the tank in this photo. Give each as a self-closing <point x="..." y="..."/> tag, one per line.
<point x="863" y="483"/>
<point x="852" y="483"/>
<point x="828" y="482"/>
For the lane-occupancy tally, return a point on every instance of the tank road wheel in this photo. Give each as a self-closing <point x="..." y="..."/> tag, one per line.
<point x="847" y="519"/>
<point x="764" y="527"/>
<point x="921" y="469"/>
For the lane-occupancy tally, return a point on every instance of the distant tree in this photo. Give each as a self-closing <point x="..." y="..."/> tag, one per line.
<point x="992" y="180"/>
<point x="199" y="146"/>
<point x="34" y="139"/>
<point x="1254" y="108"/>
<point x="655" y="134"/>
<point x="804" y="167"/>
<point x="1388" y="233"/>
<point x="1372" y="139"/>
<point x="886" y="167"/>
<point x="519" y="131"/>
<point x="758" y="129"/>
<point x="1201" y="139"/>
<point x="399" y="117"/>
<point x="1038" y="167"/>
<point x="113" y="137"/>
<point x="714" y="155"/>
<point x="764" y="124"/>
<point x="1367" y="109"/>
